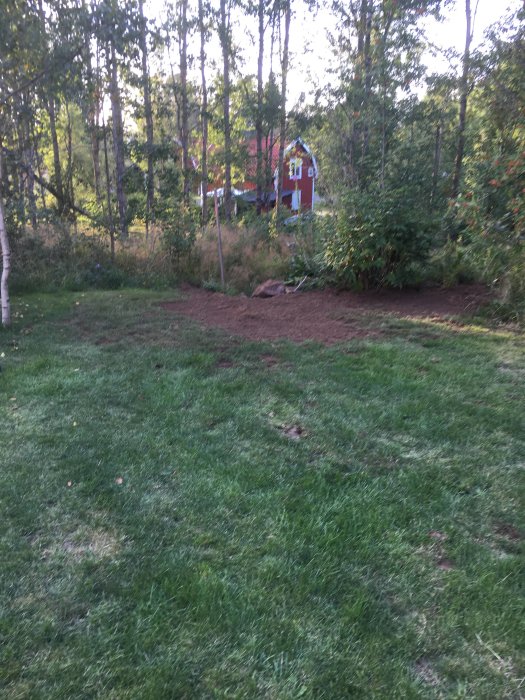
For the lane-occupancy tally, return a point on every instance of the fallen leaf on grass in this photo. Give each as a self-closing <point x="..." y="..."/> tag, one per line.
<point x="437" y="535"/>
<point x="445" y="565"/>
<point x="426" y="673"/>
<point x="119" y="480"/>
<point x="294" y="432"/>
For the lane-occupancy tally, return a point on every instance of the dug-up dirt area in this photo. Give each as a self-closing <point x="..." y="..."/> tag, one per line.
<point x="324" y="316"/>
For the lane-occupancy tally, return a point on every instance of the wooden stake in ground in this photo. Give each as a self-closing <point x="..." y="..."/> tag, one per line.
<point x="219" y="235"/>
<point x="6" y="267"/>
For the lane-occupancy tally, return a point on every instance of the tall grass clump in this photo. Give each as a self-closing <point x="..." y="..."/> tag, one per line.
<point x="489" y="250"/>
<point x="503" y="268"/>
<point x="53" y="259"/>
<point x="250" y="256"/>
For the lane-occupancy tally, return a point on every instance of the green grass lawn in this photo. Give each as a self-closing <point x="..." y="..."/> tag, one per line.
<point x="163" y="535"/>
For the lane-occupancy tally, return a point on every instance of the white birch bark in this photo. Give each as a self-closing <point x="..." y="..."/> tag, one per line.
<point x="6" y="267"/>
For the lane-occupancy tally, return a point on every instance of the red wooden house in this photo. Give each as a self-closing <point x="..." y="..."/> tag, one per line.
<point x="300" y="172"/>
<point x="299" y="175"/>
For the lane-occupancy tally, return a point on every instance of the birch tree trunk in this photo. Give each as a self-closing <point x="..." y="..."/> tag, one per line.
<point x="6" y="257"/>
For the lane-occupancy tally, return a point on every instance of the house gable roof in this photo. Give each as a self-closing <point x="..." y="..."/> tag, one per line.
<point x="299" y="142"/>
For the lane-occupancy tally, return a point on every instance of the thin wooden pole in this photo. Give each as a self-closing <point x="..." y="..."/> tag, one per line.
<point x="219" y="235"/>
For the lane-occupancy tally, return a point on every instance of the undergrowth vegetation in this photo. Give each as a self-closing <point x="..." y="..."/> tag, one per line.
<point x="183" y="519"/>
<point x="381" y="244"/>
<point x="55" y="259"/>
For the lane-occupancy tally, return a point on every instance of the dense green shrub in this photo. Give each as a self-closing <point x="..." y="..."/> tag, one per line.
<point x="379" y="239"/>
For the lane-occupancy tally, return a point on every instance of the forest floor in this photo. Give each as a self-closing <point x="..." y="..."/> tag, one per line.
<point x="187" y="513"/>
<point x="325" y="316"/>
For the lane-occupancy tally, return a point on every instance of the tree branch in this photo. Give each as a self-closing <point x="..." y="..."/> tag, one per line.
<point x="65" y="201"/>
<point x="39" y="75"/>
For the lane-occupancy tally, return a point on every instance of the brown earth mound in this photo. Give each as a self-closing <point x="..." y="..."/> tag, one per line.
<point x="325" y="316"/>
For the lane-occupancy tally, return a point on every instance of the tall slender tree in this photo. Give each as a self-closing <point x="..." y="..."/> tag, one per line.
<point x="148" y="115"/>
<point x="118" y="134"/>
<point x="6" y="253"/>
<point x="93" y="108"/>
<point x="203" y="34"/>
<point x="464" y="89"/>
<point x="259" y="113"/>
<point x="224" y="30"/>
<point x="284" y="79"/>
<point x="184" y="116"/>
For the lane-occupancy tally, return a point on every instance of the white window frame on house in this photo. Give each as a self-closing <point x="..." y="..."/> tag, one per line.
<point x="296" y="168"/>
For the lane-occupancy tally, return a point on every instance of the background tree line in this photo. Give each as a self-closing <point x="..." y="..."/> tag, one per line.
<point x="112" y="118"/>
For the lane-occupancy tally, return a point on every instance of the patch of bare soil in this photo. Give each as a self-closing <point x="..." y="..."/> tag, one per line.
<point x="324" y="316"/>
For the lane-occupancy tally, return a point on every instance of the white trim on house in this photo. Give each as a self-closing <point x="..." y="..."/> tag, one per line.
<point x="307" y="149"/>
